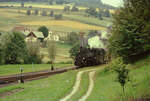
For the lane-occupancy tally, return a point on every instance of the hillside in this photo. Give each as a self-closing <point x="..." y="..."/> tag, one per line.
<point x="87" y="3"/>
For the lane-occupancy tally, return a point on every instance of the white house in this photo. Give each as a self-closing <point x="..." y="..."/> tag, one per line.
<point x="52" y="36"/>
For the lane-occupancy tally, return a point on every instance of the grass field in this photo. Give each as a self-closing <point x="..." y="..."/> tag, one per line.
<point x="15" y="69"/>
<point x="107" y="89"/>
<point x="105" y="86"/>
<point x="51" y="89"/>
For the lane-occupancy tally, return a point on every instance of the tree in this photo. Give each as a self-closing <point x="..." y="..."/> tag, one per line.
<point x="74" y="9"/>
<point x="66" y="8"/>
<point x="130" y="37"/>
<point x="52" y="50"/>
<point x="44" y="13"/>
<point x="92" y="11"/>
<point x="51" y="13"/>
<point x="51" y="2"/>
<point x="33" y="55"/>
<point x="22" y="4"/>
<point x="100" y="16"/>
<point x="36" y="12"/>
<point x="73" y="38"/>
<point x="59" y="2"/>
<point x="107" y="13"/>
<point x="122" y="72"/>
<point x="44" y="30"/>
<point x="74" y="50"/>
<point x="15" y="49"/>
<point x="1" y="52"/>
<point x="28" y="12"/>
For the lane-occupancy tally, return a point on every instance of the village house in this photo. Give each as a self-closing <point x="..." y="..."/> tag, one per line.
<point x="52" y="36"/>
<point x="29" y="34"/>
<point x="20" y="29"/>
<point x="33" y="36"/>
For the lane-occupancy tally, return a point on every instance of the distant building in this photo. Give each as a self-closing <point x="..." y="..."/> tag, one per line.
<point x="20" y="29"/>
<point x="52" y="36"/>
<point x="33" y="36"/>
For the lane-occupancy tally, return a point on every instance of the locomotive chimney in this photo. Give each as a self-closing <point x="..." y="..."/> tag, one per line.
<point x="82" y="39"/>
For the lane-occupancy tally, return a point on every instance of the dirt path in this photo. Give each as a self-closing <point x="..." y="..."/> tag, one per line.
<point x="77" y="84"/>
<point x="91" y="85"/>
<point x="75" y="87"/>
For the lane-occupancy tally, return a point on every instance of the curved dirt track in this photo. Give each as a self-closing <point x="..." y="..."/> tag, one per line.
<point x="91" y="85"/>
<point x="77" y="84"/>
<point x="75" y="87"/>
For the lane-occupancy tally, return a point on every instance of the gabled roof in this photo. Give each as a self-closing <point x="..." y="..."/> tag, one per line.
<point x="36" y="33"/>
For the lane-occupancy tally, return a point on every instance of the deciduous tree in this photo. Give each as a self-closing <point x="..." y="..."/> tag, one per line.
<point x="130" y="37"/>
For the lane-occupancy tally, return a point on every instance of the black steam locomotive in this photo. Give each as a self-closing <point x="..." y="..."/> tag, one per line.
<point x="90" y="57"/>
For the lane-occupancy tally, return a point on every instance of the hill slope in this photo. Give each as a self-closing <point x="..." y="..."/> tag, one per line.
<point x="88" y="3"/>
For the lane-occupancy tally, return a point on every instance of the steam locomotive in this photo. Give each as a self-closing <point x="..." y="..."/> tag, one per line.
<point x="90" y="57"/>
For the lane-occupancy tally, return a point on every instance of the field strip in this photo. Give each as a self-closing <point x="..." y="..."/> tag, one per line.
<point x="91" y="85"/>
<point x="77" y="84"/>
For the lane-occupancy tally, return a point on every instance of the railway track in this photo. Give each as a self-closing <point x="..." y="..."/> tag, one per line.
<point x="12" y="79"/>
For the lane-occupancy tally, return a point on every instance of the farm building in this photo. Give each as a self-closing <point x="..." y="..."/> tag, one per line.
<point x="33" y="36"/>
<point x="20" y="29"/>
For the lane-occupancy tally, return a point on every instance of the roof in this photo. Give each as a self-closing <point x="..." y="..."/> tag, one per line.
<point x="26" y="33"/>
<point x="36" y="33"/>
<point x="20" y="28"/>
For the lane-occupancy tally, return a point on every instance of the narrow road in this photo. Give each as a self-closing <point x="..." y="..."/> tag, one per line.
<point x="75" y="87"/>
<point x="91" y="85"/>
<point x="77" y="84"/>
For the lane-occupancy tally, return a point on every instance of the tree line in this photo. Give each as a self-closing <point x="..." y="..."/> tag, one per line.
<point x="45" y="13"/>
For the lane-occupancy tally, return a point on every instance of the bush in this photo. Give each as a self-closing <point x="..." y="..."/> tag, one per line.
<point x="30" y="6"/>
<point x="91" y="11"/>
<point x="36" y="12"/>
<point x="74" y="50"/>
<point x="29" y="59"/>
<point x="51" y="13"/>
<point x="28" y="12"/>
<point x="1" y="55"/>
<point x="67" y="8"/>
<point x="58" y="16"/>
<point x="44" y="13"/>
<point x="73" y="38"/>
<point x="74" y="9"/>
